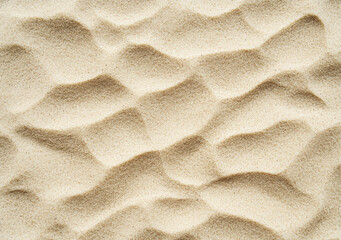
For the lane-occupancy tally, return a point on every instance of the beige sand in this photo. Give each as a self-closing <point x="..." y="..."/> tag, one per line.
<point x="183" y="120"/>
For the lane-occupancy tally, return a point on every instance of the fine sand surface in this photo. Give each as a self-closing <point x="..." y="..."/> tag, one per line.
<point x="177" y="120"/>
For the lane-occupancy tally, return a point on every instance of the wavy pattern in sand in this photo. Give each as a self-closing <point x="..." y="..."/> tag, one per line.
<point x="176" y="120"/>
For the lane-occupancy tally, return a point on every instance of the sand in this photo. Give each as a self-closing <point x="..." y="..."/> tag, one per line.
<point x="177" y="120"/>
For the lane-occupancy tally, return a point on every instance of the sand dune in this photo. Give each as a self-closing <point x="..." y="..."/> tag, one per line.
<point x="300" y="44"/>
<point x="245" y="152"/>
<point x="155" y="70"/>
<point x="191" y="34"/>
<point x="197" y="159"/>
<point x="70" y="104"/>
<point x="164" y="119"/>
<point x="19" y="84"/>
<point x="119" y="137"/>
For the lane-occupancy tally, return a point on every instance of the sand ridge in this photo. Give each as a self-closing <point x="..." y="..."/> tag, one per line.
<point x="164" y="119"/>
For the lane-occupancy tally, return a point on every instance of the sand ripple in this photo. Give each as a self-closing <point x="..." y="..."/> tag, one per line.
<point x="176" y="120"/>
